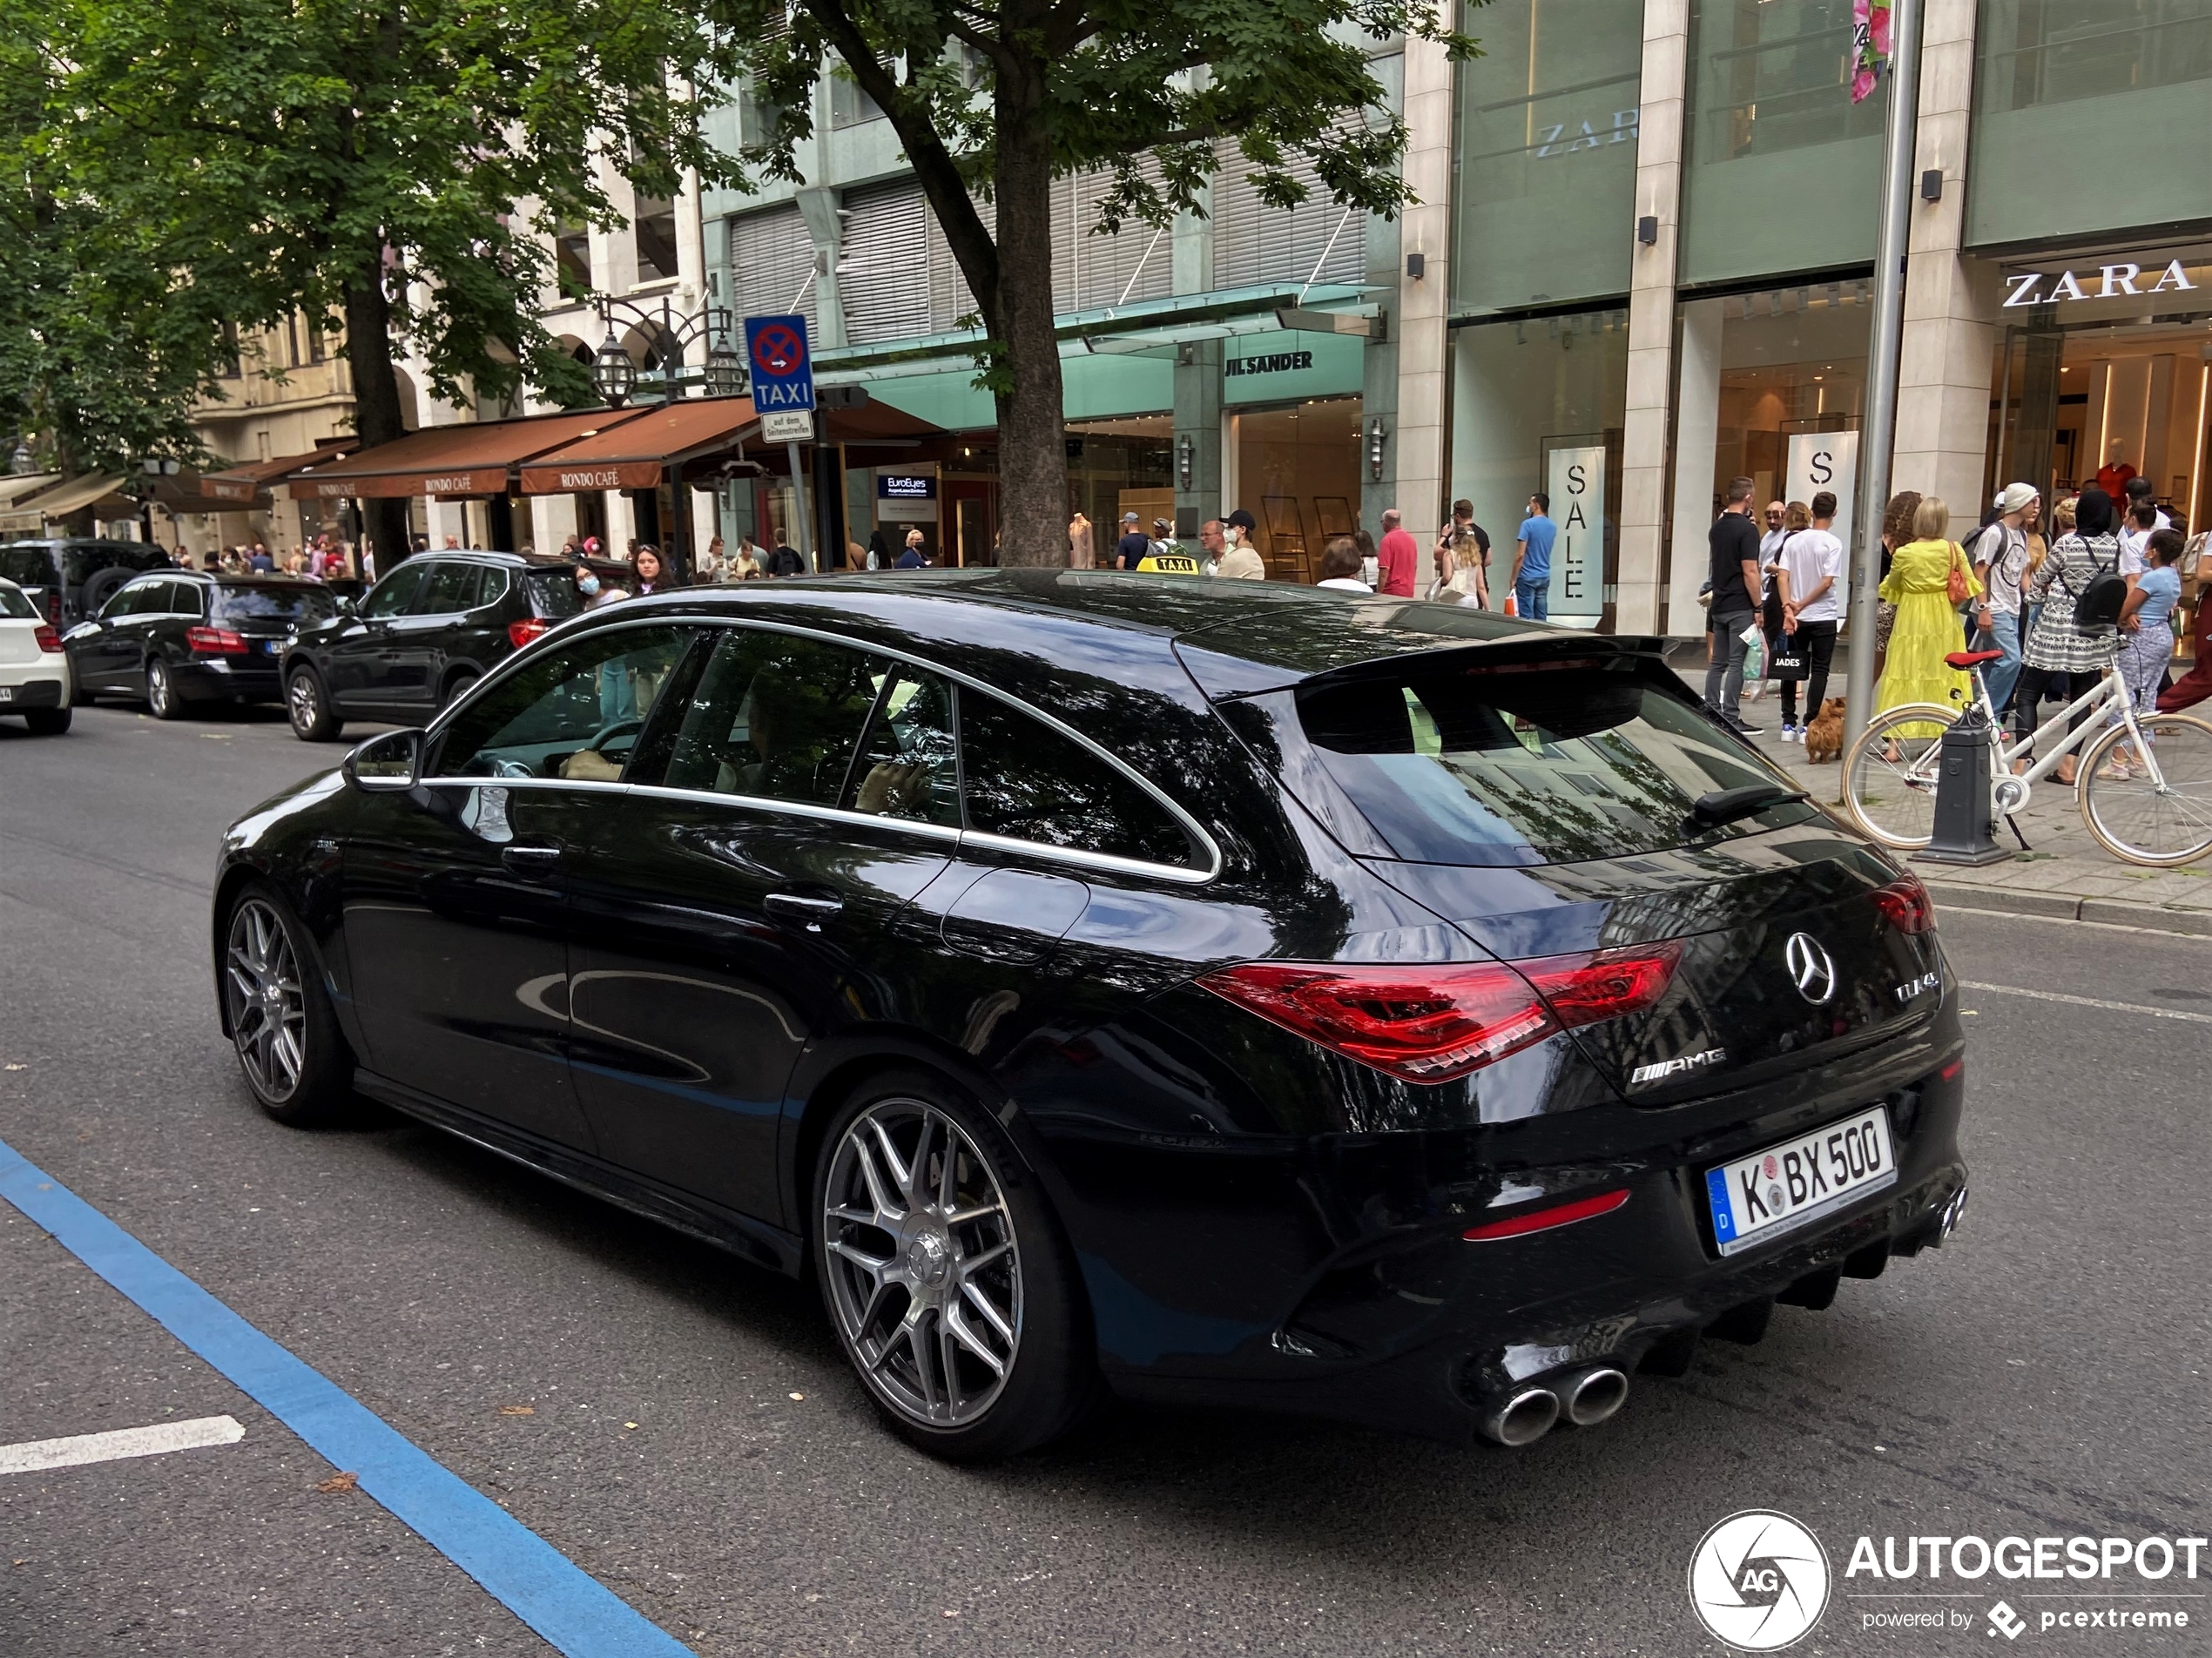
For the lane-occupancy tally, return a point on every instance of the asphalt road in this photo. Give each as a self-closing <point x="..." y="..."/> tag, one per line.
<point x="692" y="1440"/>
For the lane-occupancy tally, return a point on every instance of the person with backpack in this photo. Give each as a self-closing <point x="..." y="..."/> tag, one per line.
<point x="1999" y="553"/>
<point x="2060" y="656"/>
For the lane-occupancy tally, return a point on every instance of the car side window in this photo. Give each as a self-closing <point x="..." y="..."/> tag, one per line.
<point x="573" y="713"/>
<point x="132" y="601"/>
<point x="491" y="589"/>
<point x="390" y="595"/>
<point x="776" y="717"/>
<point x="908" y="765"/>
<point x="180" y="598"/>
<point x="448" y="589"/>
<point x="1022" y="779"/>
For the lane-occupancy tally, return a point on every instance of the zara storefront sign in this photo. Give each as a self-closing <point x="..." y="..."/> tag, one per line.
<point x="2123" y="280"/>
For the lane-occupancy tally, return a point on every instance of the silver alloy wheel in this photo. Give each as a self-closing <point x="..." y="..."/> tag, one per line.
<point x="158" y="690"/>
<point x="918" y="1249"/>
<point x="268" y="1012"/>
<point x="305" y="705"/>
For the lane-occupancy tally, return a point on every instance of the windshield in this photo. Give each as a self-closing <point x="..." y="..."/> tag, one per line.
<point x="294" y="604"/>
<point x="1530" y="763"/>
<point x="14" y="605"/>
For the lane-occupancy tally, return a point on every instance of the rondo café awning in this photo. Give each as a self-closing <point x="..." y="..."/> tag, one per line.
<point x="634" y="455"/>
<point x="472" y="458"/>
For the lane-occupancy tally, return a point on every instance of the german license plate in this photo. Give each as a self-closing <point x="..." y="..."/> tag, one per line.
<point x="1787" y="1185"/>
<point x="7" y="693"/>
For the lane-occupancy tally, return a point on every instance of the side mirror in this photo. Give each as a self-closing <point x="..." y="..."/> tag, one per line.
<point x="345" y="603"/>
<point x="390" y="763"/>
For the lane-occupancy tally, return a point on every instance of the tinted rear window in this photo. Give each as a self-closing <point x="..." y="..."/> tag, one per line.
<point x="273" y="604"/>
<point x="27" y="566"/>
<point x="553" y="593"/>
<point x="1529" y="763"/>
<point x="78" y="562"/>
<point x="1025" y="780"/>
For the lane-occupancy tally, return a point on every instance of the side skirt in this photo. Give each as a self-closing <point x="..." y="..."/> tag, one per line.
<point x="753" y="1240"/>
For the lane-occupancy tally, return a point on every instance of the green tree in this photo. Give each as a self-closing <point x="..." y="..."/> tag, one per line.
<point x="993" y="98"/>
<point x="102" y="355"/>
<point x="381" y="162"/>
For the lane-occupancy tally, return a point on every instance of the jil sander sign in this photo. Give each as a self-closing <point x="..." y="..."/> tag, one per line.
<point x="2123" y="279"/>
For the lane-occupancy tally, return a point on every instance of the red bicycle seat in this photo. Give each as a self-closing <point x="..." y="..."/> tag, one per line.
<point x="1973" y="658"/>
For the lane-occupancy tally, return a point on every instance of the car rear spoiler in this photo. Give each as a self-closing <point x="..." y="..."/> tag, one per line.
<point x="1225" y="675"/>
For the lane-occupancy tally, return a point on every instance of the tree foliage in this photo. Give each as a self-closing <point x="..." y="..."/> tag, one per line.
<point x="993" y="98"/>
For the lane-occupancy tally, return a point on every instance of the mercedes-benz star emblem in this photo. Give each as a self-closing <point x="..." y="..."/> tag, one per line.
<point x="1809" y="968"/>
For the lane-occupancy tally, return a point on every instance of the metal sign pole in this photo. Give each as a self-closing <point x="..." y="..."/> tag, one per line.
<point x="799" y="490"/>
<point x="1874" y="454"/>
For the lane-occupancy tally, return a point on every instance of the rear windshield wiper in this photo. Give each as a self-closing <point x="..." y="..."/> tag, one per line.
<point x="1726" y="806"/>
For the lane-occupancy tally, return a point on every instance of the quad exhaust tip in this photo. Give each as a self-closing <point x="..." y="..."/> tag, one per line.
<point x="1524" y="1418"/>
<point x="1587" y="1400"/>
<point x="1584" y="1399"/>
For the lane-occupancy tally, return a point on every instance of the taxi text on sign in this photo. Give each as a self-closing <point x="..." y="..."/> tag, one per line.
<point x="782" y="365"/>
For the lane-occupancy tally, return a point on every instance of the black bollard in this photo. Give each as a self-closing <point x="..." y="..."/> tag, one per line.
<point x="1966" y="817"/>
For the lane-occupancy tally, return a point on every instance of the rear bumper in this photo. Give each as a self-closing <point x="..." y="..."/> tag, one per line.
<point x="1412" y="1329"/>
<point x="31" y="684"/>
<point x="227" y="679"/>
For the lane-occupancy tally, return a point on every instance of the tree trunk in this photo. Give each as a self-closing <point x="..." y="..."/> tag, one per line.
<point x="377" y="417"/>
<point x="1033" y="447"/>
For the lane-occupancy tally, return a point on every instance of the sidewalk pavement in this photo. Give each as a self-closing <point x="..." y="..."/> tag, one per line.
<point x="2063" y="874"/>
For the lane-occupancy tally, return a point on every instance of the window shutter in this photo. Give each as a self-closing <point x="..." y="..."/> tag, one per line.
<point x="883" y="275"/>
<point x="1105" y="264"/>
<point x="949" y="297"/>
<point x="1255" y="244"/>
<point x="771" y="256"/>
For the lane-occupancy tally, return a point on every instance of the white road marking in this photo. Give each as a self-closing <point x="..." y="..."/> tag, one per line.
<point x="2089" y="1002"/>
<point x="157" y="1440"/>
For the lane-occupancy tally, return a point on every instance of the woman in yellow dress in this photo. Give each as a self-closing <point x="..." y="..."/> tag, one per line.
<point x="1927" y="621"/>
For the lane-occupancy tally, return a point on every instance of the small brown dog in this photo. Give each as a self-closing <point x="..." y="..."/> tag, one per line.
<point x="1824" y="736"/>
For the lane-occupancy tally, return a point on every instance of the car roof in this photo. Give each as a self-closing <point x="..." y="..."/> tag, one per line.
<point x="1234" y="638"/>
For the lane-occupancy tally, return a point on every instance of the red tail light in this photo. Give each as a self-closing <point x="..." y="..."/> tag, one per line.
<point x="1431" y="1024"/>
<point x="214" y="642"/>
<point x="521" y="633"/>
<point x="49" y="638"/>
<point x="1542" y="1220"/>
<point x="54" y="608"/>
<point x="1908" y="905"/>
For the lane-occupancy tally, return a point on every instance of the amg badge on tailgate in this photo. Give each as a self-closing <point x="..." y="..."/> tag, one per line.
<point x="1660" y="1071"/>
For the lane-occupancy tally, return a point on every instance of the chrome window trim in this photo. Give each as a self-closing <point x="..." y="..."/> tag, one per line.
<point x="589" y="786"/>
<point x="799" y="809"/>
<point x="1178" y="874"/>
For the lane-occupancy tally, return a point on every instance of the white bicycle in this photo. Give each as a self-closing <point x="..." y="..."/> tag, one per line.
<point x="2144" y="785"/>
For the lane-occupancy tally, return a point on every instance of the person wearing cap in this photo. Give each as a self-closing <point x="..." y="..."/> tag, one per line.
<point x="1134" y="546"/>
<point x="2000" y="565"/>
<point x="1163" y="539"/>
<point x="1231" y="558"/>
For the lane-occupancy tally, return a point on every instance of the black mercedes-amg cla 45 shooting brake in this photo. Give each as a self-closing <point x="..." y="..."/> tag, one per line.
<point x="1119" y="985"/>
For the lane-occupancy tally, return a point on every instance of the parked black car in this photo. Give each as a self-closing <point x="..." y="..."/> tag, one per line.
<point x="70" y="578"/>
<point x="422" y="635"/>
<point x="1202" y="991"/>
<point x="176" y="637"/>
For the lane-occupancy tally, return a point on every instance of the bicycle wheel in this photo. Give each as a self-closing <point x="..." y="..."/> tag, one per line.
<point x="1893" y="799"/>
<point x="2160" y="823"/>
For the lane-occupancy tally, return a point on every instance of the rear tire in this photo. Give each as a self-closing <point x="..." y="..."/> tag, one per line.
<point x="2134" y="821"/>
<point x="457" y="687"/>
<point x="46" y="722"/>
<point x="308" y="703"/>
<point x="162" y="700"/>
<point x="289" y="1047"/>
<point x="945" y="1274"/>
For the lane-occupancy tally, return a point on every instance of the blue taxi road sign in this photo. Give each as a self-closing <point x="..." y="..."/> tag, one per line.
<point x="783" y="369"/>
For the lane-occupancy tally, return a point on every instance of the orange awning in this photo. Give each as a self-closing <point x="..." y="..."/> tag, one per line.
<point x="472" y="458"/>
<point x="237" y="487"/>
<point x="631" y="455"/>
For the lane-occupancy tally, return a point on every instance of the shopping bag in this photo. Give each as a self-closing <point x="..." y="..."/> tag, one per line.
<point x="1512" y="607"/>
<point x="1788" y="662"/>
<point x="1755" y="658"/>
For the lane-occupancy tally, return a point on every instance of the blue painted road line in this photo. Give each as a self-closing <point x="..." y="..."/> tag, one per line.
<point x="525" y="1573"/>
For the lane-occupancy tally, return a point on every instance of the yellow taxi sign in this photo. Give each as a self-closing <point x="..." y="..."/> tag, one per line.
<point x="1168" y="564"/>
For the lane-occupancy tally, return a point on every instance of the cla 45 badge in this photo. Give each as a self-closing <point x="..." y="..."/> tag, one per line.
<point x="1912" y="988"/>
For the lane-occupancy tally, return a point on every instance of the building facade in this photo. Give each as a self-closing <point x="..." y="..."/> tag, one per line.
<point x="1656" y="269"/>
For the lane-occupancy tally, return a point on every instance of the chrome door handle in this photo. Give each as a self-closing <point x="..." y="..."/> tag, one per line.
<point x="798" y="906"/>
<point x="529" y="861"/>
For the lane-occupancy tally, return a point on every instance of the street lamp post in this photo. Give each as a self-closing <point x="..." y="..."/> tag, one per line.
<point x="614" y="375"/>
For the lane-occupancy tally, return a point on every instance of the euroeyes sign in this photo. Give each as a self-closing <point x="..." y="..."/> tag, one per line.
<point x="783" y="368"/>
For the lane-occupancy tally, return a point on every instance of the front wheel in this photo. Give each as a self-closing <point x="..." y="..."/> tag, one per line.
<point x="308" y="705"/>
<point x="2161" y="821"/>
<point x="287" y="1039"/>
<point x="1890" y="773"/>
<point x="946" y="1276"/>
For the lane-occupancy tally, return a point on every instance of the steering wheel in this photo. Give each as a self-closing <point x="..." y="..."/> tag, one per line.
<point x="511" y="769"/>
<point x="607" y="734"/>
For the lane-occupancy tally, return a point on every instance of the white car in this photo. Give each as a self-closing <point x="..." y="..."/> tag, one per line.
<point x="34" y="672"/>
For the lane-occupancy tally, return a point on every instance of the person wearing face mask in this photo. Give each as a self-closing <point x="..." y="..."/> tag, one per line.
<point x="595" y="592"/>
<point x="1238" y="560"/>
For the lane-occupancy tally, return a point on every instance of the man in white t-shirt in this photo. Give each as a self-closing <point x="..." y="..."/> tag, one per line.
<point x="1810" y="582"/>
<point x="2000" y="554"/>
